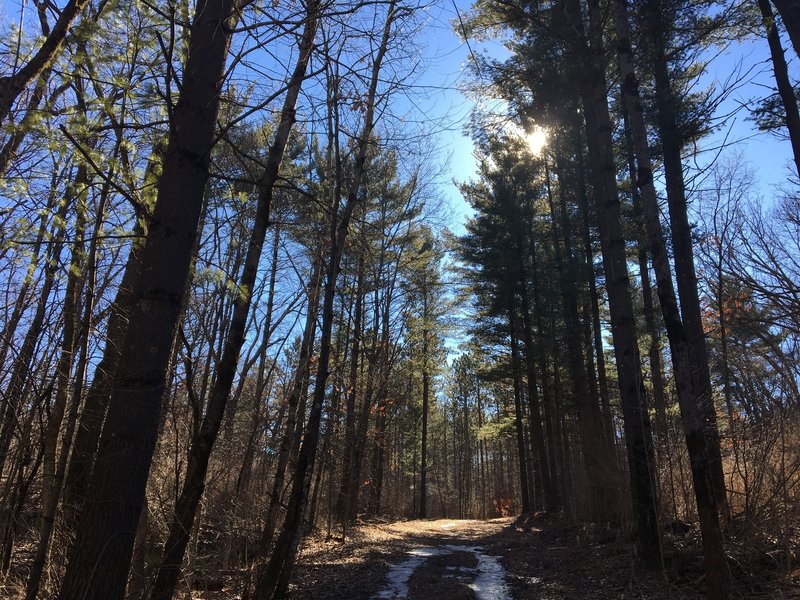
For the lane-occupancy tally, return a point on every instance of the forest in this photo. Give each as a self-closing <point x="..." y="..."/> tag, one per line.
<point x="243" y="324"/>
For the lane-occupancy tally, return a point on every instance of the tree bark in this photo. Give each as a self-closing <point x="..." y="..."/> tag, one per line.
<point x="623" y="320"/>
<point x="423" y="468"/>
<point x="683" y="252"/>
<point x="350" y="401"/>
<point x="100" y="558"/>
<point x="596" y="456"/>
<point x="789" y="11"/>
<point x="520" y="434"/>
<point x="716" y="567"/>
<point x="203" y="443"/>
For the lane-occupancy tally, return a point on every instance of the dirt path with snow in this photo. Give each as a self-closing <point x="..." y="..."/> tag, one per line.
<point x="448" y="570"/>
<point x="415" y="560"/>
<point x="530" y="558"/>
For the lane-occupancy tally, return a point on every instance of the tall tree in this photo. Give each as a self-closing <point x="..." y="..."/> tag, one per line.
<point x="659" y="20"/>
<point x="204" y="441"/>
<point x="274" y="579"/>
<point x="781" y="71"/>
<point x="688" y="396"/>
<point x="100" y="557"/>
<point x="790" y="14"/>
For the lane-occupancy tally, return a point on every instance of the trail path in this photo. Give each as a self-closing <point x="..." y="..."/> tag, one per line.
<point x="447" y="570"/>
<point x="415" y="560"/>
<point x="530" y="558"/>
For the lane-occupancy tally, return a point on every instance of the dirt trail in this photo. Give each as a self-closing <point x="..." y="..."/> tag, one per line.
<point x="448" y="570"/>
<point x="417" y="560"/>
<point x="528" y="558"/>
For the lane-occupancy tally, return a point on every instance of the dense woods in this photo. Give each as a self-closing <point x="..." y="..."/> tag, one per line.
<point x="237" y="311"/>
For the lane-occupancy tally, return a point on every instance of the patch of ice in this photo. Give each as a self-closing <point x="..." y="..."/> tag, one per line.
<point x="490" y="584"/>
<point x="397" y="579"/>
<point x="491" y="581"/>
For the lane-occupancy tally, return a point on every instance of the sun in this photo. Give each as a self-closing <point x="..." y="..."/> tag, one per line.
<point x="536" y="140"/>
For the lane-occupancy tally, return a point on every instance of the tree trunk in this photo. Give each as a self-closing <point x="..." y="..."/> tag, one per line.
<point x="785" y="88"/>
<point x="623" y="321"/>
<point x="57" y="468"/>
<point x="20" y="371"/>
<point x="298" y="385"/>
<point x="654" y="347"/>
<point x="203" y="443"/>
<point x="423" y="469"/>
<point x="716" y="568"/>
<point x="515" y="367"/>
<point x="350" y="400"/>
<point x="683" y="253"/>
<point x="273" y="581"/>
<point x="790" y="14"/>
<point x="596" y="456"/>
<point x="13" y="85"/>
<point x="100" y="558"/>
<point x="95" y="404"/>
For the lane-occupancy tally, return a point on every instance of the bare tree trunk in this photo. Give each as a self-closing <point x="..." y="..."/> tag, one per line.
<point x="623" y="321"/>
<point x="648" y="310"/>
<point x="274" y="580"/>
<point x="596" y="455"/>
<point x="58" y="469"/>
<point x="298" y="384"/>
<point x="790" y="14"/>
<point x="520" y="435"/>
<point x="95" y="404"/>
<point x="785" y="88"/>
<point x="10" y="326"/>
<point x="203" y="443"/>
<point x="426" y="386"/>
<point x="379" y="456"/>
<point x="18" y="380"/>
<point x="99" y="561"/>
<point x="350" y="401"/>
<point x="716" y="568"/>
<point x="594" y="303"/>
<point x="671" y="143"/>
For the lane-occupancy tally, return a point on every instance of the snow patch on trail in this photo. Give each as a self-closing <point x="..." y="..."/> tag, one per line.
<point x="490" y="583"/>
<point x="400" y="574"/>
<point x="491" y="580"/>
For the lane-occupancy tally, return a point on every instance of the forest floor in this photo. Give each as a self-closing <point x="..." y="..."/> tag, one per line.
<point x="509" y="559"/>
